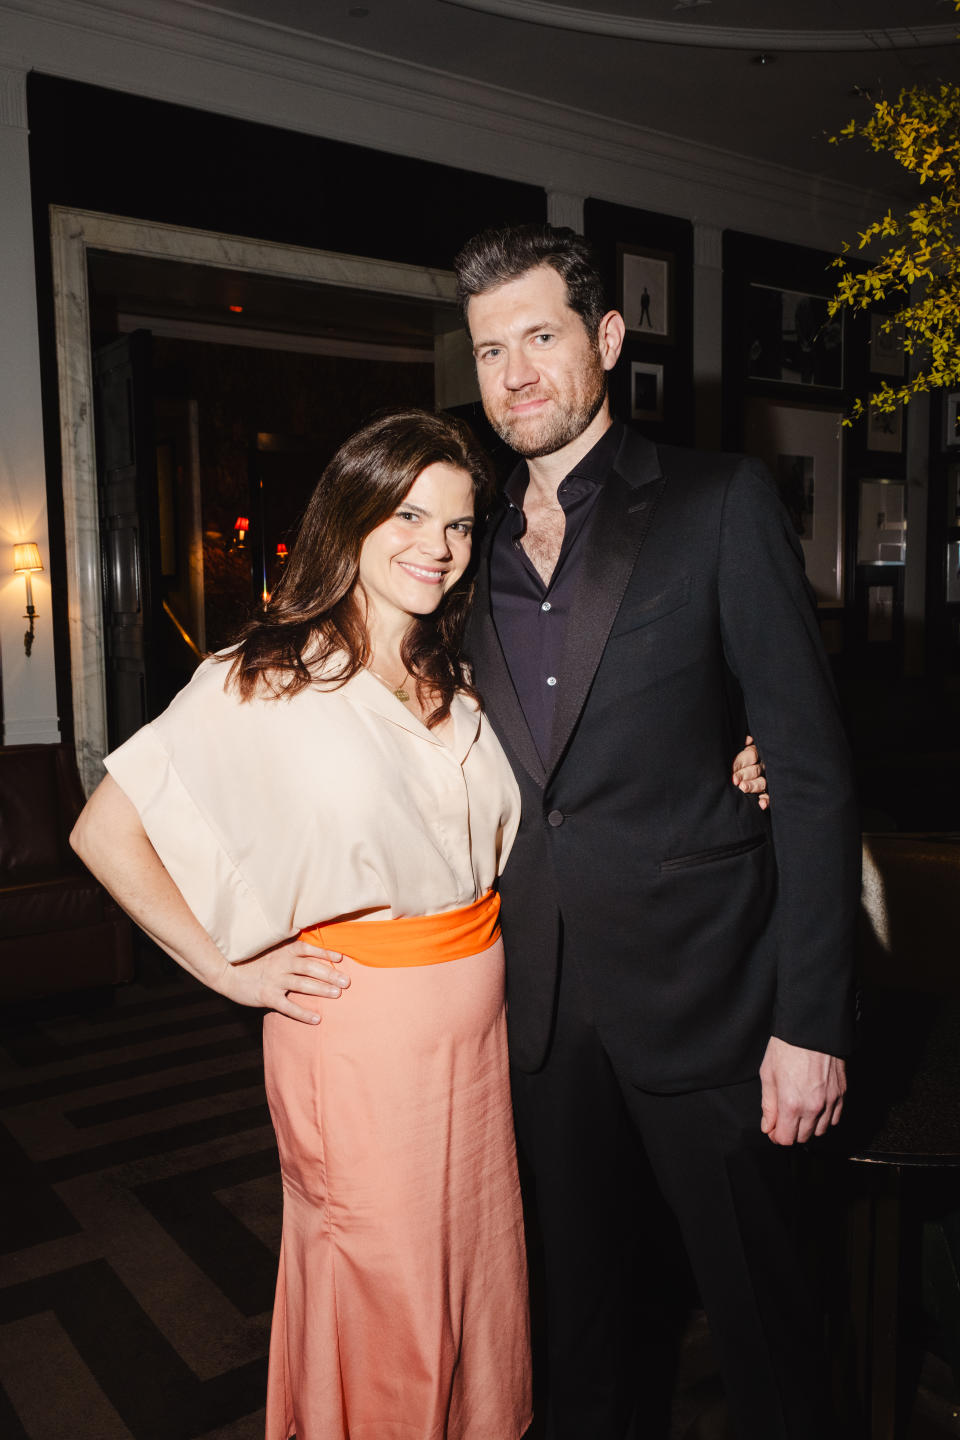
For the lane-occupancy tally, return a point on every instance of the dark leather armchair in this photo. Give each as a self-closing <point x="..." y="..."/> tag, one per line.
<point x="59" y="929"/>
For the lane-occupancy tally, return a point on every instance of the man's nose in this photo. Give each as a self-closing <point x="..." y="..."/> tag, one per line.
<point x="519" y="371"/>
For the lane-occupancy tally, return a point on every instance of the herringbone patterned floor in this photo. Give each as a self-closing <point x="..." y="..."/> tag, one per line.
<point x="140" y="1210"/>
<point x="142" y="1221"/>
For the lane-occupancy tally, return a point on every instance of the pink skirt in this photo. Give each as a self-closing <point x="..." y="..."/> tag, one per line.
<point x="401" y="1307"/>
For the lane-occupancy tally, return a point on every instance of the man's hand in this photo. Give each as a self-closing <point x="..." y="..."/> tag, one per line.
<point x="748" y="773"/>
<point x="802" y="1092"/>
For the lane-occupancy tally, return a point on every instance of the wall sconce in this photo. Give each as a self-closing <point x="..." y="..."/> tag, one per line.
<point x="240" y="527"/>
<point x="26" y="559"/>
<point x="282" y="553"/>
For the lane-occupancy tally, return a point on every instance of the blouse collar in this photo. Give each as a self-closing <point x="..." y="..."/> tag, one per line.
<point x="459" y="733"/>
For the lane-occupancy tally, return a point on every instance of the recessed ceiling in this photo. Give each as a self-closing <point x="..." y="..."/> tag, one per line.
<point x="713" y="96"/>
<point x="741" y="24"/>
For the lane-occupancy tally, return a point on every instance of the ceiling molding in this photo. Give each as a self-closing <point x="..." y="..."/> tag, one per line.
<point x="702" y="33"/>
<point x="272" y="75"/>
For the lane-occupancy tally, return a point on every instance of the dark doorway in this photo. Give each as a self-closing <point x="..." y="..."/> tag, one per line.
<point x="252" y="384"/>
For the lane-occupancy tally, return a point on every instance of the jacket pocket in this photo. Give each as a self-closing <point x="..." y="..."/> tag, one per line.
<point x="634" y="614"/>
<point x="718" y="852"/>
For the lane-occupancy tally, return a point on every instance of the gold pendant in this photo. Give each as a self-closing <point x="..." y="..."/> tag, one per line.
<point x="402" y="694"/>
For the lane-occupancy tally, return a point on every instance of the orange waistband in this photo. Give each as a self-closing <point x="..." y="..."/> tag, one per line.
<point x="414" y="939"/>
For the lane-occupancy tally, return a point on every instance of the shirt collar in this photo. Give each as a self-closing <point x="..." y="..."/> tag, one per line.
<point x="592" y="470"/>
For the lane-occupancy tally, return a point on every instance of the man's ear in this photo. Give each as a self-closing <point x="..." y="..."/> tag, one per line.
<point x="610" y="338"/>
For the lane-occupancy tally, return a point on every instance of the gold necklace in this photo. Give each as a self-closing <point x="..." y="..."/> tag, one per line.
<point x="401" y="692"/>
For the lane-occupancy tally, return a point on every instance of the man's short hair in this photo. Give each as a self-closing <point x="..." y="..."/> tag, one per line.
<point x="497" y="256"/>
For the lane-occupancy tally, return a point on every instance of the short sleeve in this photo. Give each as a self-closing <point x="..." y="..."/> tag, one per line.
<point x="185" y="828"/>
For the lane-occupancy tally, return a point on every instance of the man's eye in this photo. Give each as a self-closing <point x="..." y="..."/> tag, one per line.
<point x="543" y="338"/>
<point x="493" y="354"/>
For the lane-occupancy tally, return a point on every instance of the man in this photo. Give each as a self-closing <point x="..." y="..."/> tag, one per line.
<point x="678" y="962"/>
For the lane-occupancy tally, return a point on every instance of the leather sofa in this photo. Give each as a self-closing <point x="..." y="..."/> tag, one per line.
<point x="59" y="929"/>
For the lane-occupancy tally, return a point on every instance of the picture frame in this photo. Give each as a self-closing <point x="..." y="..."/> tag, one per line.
<point x="791" y="339"/>
<point x="886" y="347"/>
<point x="882" y="524"/>
<point x="952" y="587"/>
<point x="885" y="430"/>
<point x="803" y="446"/>
<point x="951" y="419"/>
<point x="645" y="293"/>
<point x="646" y="391"/>
<point x="952" y="516"/>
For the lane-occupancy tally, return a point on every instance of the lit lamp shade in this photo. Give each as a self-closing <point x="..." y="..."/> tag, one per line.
<point x="26" y="557"/>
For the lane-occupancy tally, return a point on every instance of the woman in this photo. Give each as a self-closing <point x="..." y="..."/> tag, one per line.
<point x="282" y="830"/>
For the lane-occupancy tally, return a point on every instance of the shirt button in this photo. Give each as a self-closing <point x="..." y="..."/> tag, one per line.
<point x="555" y="818"/>
<point x="551" y="679"/>
<point x="546" y="605"/>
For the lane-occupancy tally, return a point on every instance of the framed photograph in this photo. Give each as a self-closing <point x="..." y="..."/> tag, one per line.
<point x="951" y="418"/>
<point x="952" y="594"/>
<point x="646" y="292"/>
<point x="885" y="430"/>
<point x="803" y="446"/>
<point x="882" y="531"/>
<point x="953" y="495"/>
<point x="792" y="339"/>
<point x="886" y="347"/>
<point x="646" y="391"/>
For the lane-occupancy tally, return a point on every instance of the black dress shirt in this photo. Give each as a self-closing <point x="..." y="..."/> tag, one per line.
<point x="531" y="618"/>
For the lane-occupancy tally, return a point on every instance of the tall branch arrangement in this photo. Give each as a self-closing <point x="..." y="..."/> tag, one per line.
<point x="916" y="275"/>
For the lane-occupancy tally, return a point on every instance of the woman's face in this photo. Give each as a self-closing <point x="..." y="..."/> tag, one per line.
<point x="408" y="563"/>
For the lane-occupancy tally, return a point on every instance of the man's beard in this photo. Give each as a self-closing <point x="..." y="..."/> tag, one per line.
<point x="561" y="425"/>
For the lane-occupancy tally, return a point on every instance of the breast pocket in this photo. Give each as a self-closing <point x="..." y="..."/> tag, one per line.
<point x="638" y="613"/>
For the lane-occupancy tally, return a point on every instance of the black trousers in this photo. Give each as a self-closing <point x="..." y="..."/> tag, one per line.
<point x="730" y="1191"/>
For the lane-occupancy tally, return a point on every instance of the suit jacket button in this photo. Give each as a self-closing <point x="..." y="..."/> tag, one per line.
<point x="555" y="817"/>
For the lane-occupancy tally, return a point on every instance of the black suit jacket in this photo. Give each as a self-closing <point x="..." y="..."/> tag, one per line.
<point x="699" y="924"/>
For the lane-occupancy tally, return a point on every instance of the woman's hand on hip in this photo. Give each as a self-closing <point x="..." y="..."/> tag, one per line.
<point x="273" y="980"/>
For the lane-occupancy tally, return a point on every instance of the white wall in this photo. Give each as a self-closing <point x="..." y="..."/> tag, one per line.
<point x="29" y="690"/>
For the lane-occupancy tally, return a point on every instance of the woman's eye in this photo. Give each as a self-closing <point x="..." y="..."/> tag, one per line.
<point x="407" y="515"/>
<point x="464" y="526"/>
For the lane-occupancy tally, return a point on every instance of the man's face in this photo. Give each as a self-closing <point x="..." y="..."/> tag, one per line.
<point x="542" y="377"/>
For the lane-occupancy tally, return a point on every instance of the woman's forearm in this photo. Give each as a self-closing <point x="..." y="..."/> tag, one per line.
<point x="114" y="846"/>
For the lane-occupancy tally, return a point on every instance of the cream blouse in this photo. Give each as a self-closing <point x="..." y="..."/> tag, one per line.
<point x="275" y="815"/>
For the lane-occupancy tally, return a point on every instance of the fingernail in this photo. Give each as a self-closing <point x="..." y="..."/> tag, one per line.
<point x="315" y="1020"/>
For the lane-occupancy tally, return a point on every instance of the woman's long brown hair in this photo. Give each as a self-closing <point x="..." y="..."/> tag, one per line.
<point x="313" y="616"/>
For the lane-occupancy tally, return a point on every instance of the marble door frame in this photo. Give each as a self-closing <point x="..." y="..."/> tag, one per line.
<point x="73" y="233"/>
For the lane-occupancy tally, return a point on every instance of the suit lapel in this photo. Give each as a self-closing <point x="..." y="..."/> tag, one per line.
<point x="625" y="512"/>
<point x="493" y="675"/>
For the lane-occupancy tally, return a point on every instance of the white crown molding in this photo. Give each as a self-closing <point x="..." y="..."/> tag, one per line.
<point x="702" y="33"/>
<point x="277" y="76"/>
<point x="13" y="97"/>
